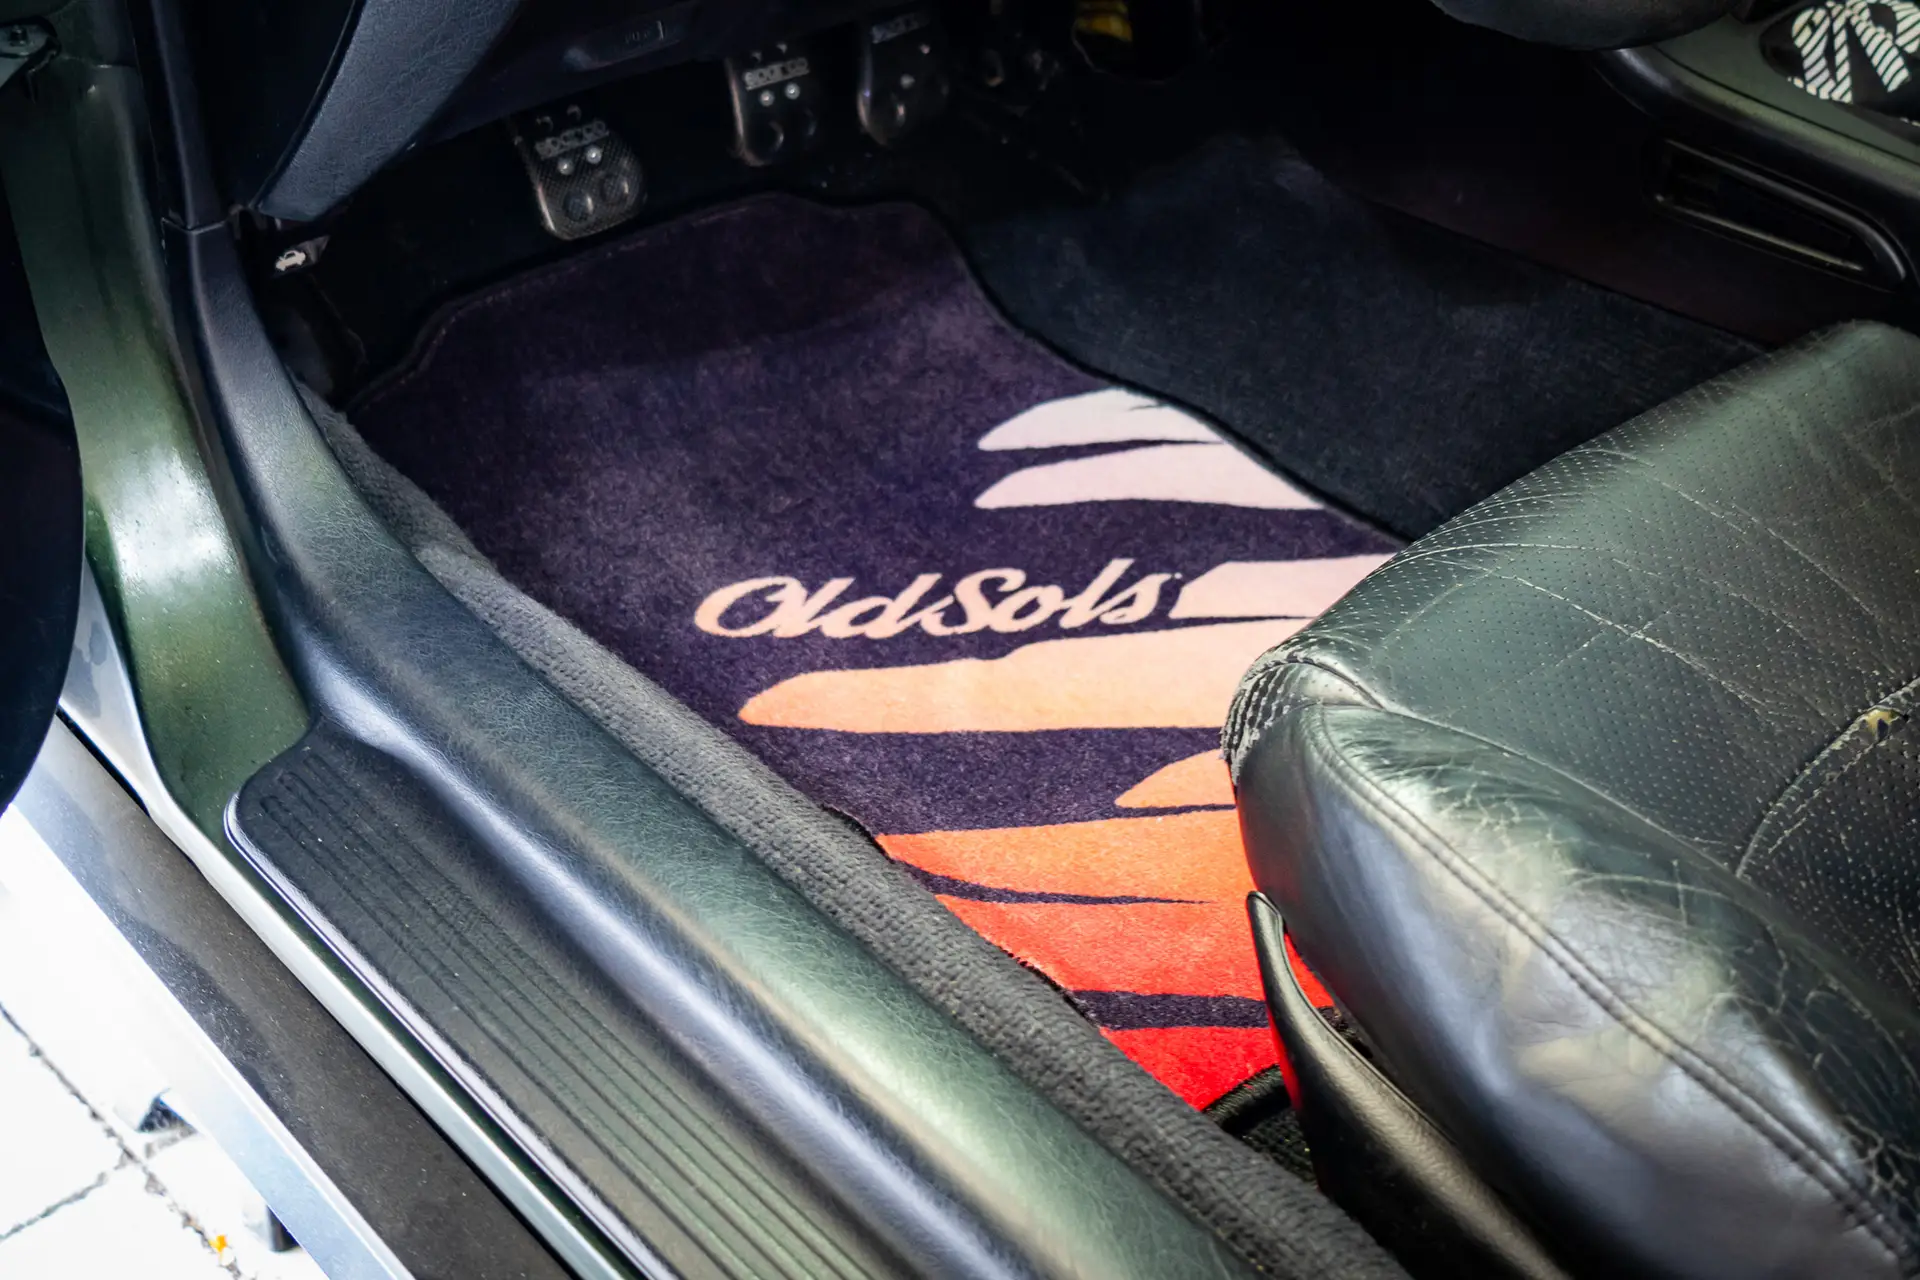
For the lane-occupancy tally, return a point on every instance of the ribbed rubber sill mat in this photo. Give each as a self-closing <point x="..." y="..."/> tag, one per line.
<point x="602" y="1104"/>
<point x="790" y="464"/>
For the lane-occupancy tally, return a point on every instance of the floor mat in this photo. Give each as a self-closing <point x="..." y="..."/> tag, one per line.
<point x="1402" y="369"/>
<point x="789" y="463"/>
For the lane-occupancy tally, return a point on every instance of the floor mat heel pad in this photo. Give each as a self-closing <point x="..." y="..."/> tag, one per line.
<point x="788" y="462"/>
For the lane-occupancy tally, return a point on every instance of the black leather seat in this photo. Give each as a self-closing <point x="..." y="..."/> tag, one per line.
<point x="1598" y="813"/>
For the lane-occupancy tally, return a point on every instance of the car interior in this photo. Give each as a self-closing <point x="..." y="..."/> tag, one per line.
<point x="1019" y="637"/>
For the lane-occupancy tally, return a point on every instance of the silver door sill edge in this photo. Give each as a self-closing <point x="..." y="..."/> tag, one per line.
<point x="99" y="702"/>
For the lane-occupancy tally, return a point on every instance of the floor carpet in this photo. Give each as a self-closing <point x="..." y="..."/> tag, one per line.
<point x="791" y="464"/>
<point x="1403" y="370"/>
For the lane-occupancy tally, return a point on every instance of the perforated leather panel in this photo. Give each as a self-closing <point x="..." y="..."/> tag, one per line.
<point x="1596" y="809"/>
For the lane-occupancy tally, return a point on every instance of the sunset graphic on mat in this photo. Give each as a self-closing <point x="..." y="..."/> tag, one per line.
<point x="1138" y="916"/>
<point x="982" y="604"/>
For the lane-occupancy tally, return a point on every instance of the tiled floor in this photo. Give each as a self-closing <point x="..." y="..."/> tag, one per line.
<point x="84" y="1194"/>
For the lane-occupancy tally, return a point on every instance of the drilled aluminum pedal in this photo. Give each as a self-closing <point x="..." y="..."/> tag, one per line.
<point x="585" y="177"/>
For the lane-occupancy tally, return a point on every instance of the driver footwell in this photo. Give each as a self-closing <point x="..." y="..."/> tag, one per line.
<point x="788" y="462"/>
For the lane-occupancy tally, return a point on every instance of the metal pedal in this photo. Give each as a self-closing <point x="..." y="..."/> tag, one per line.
<point x="903" y="73"/>
<point x="585" y="177"/>
<point x="776" y="102"/>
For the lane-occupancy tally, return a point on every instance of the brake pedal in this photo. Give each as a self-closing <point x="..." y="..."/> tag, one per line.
<point x="776" y="102"/>
<point x="903" y="73"/>
<point x="585" y="177"/>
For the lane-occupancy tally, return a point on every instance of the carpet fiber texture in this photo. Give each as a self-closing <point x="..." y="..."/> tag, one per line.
<point x="1403" y="370"/>
<point x="789" y="463"/>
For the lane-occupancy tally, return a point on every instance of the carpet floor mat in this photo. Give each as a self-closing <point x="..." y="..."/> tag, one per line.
<point x="789" y="463"/>
<point x="1403" y="370"/>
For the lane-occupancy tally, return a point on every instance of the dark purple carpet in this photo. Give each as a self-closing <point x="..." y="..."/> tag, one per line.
<point x="789" y="402"/>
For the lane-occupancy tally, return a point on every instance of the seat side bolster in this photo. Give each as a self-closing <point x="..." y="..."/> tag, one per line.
<point x="1626" y="1042"/>
<point x="1292" y="675"/>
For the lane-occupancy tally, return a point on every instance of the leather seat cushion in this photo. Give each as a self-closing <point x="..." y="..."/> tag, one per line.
<point x="1596" y="809"/>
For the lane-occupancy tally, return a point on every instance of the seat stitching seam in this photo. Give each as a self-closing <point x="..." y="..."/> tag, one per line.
<point x="1759" y="523"/>
<point x="1729" y="1092"/>
<point x="1268" y="677"/>
<point x="1779" y="802"/>
<point x="1550" y="767"/>
<point x="1659" y="574"/>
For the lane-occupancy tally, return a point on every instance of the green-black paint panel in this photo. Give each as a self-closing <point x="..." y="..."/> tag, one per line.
<point x="216" y="701"/>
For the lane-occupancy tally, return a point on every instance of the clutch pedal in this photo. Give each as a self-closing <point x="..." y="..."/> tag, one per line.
<point x="585" y="177"/>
